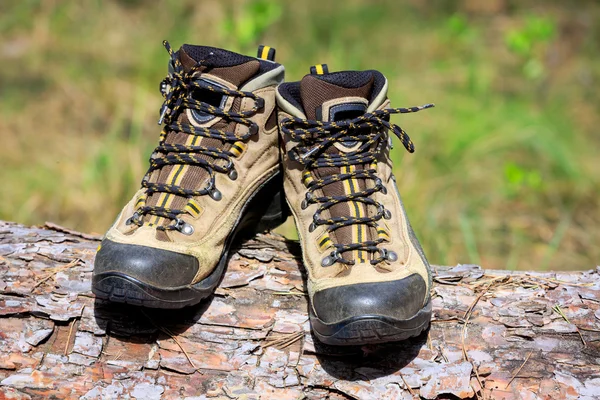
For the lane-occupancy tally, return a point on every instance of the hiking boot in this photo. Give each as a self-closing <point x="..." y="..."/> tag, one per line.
<point x="215" y="174"/>
<point x="368" y="279"/>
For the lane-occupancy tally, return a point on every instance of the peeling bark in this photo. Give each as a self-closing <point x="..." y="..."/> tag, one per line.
<point x="494" y="334"/>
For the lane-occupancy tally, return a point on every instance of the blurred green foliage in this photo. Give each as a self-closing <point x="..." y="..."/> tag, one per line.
<point x="505" y="171"/>
<point x="249" y="25"/>
<point x="528" y="43"/>
<point x="535" y="30"/>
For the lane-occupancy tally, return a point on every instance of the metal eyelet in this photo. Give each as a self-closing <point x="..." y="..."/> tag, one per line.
<point x="164" y="87"/>
<point x="133" y="218"/>
<point x="392" y="256"/>
<point x="215" y="194"/>
<point x="316" y="217"/>
<point x="388" y="255"/>
<point x="327" y="261"/>
<point x="233" y="175"/>
<point x="330" y="259"/>
<point x="307" y="199"/>
<point x="229" y="165"/>
<point x="253" y="129"/>
<point x="379" y="186"/>
<point x="387" y="214"/>
<point x="312" y="227"/>
<point x="184" y="227"/>
<point x="210" y="186"/>
<point x="260" y="103"/>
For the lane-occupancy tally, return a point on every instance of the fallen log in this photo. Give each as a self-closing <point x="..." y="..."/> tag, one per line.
<point x="494" y="334"/>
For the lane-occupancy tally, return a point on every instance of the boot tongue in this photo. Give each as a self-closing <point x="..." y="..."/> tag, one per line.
<point x="322" y="94"/>
<point x="335" y="97"/>
<point x="231" y="67"/>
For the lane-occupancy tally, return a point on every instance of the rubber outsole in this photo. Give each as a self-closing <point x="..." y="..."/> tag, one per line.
<point x="125" y="289"/>
<point x="255" y="217"/>
<point x="370" y="329"/>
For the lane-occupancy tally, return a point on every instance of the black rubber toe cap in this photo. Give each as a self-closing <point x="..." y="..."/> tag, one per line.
<point x="400" y="299"/>
<point x="156" y="267"/>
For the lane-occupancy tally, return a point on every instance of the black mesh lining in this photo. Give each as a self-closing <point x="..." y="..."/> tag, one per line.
<point x="347" y="79"/>
<point x="220" y="57"/>
<point x="291" y="92"/>
<point x="355" y="79"/>
<point x="266" y="66"/>
<point x="224" y="58"/>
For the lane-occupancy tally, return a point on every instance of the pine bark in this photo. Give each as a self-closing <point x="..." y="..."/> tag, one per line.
<point x="494" y="334"/>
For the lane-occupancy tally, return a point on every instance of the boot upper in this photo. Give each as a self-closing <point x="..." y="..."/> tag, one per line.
<point x="217" y="147"/>
<point x="348" y="164"/>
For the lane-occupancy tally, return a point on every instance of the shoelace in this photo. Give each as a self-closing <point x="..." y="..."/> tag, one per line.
<point x="314" y="138"/>
<point x="176" y="88"/>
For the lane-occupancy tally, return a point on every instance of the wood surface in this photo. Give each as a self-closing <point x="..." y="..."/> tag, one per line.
<point x="494" y="334"/>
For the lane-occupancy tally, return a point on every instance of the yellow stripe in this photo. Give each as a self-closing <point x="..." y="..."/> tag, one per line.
<point x="323" y="242"/>
<point x="362" y="231"/>
<point x="319" y="69"/>
<point x="355" y="211"/>
<point x="175" y="177"/>
<point x="265" y="53"/>
<point x="238" y="148"/>
<point x="141" y="200"/>
<point x="236" y="151"/>
<point x="163" y="198"/>
<point x="193" y="208"/>
<point x="176" y="180"/>
<point x="306" y="178"/>
<point x="383" y="234"/>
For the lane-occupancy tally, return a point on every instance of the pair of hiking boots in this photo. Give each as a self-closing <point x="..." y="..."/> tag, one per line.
<point x="237" y="145"/>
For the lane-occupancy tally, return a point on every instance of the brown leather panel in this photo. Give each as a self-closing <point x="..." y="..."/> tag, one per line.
<point x="237" y="74"/>
<point x="187" y="61"/>
<point x="314" y="92"/>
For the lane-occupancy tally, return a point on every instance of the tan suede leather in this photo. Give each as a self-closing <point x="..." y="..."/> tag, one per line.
<point x="409" y="259"/>
<point x="217" y="219"/>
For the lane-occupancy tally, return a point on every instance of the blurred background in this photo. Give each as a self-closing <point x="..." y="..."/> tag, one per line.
<point x="506" y="172"/>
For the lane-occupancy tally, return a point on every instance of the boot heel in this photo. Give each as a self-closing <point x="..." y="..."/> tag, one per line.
<point x="275" y="214"/>
<point x="267" y="209"/>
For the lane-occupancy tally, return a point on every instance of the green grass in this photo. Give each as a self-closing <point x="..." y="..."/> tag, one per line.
<point x="505" y="171"/>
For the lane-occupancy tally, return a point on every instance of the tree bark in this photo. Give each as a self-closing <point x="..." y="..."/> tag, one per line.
<point x="494" y="334"/>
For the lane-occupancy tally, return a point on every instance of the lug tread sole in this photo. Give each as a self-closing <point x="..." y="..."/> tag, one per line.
<point x="119" y="288"/>
<point x="371" y="329"/>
